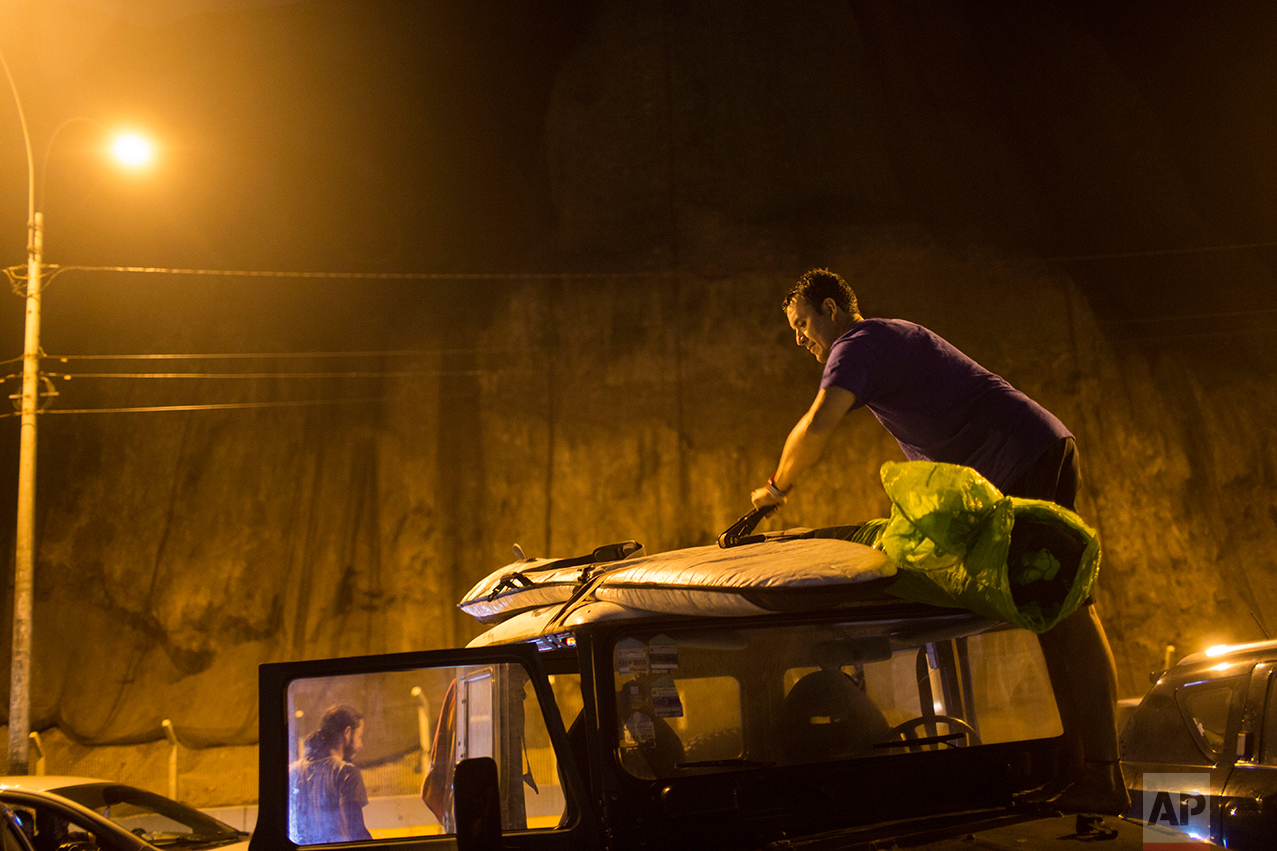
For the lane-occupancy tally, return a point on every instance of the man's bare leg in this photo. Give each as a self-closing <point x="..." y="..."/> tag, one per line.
<point x="1084" y="675"/>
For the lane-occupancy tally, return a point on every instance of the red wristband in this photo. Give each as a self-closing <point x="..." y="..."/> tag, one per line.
<point x="775" y="489"/>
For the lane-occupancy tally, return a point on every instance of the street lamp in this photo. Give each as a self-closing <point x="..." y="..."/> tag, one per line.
<point x="131" y="150"/>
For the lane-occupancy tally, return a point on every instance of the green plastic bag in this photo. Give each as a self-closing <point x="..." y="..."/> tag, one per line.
<point x="954" y="538"/>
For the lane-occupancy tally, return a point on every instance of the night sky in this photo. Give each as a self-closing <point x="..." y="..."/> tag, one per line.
<point x="408" y="137"/>
<point x="307" y="137"/>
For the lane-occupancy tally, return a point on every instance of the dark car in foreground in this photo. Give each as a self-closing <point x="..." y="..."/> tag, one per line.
<point x="80" y="813"/>
<point x="1200" y="751"/>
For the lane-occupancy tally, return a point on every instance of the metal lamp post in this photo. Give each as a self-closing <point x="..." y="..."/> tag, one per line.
<point x="24" y="562"/>
<point x="23" y="569"/>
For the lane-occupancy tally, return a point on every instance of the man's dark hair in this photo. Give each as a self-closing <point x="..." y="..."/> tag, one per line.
<point x="332" y="730"/>
<point x="820" y="284"/>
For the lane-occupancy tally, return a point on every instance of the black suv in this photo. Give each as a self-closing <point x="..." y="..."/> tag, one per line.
<point x="623" y="706"/>
<point x="1200" y="751"/>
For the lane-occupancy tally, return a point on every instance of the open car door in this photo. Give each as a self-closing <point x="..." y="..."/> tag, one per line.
<point x="491" y="703"/>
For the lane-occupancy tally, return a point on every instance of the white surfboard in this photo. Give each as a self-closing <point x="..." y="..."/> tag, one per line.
<point x="775" y="575"/>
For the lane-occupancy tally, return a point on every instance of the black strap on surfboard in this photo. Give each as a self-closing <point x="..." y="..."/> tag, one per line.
<point x="739" y="532"/>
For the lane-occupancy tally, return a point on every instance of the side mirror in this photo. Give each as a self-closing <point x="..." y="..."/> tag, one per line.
<point x="476" y="798"/>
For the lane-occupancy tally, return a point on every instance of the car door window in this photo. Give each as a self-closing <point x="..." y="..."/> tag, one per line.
<point x="12" y="837"/>
<point x="396" y="780"/>
<point x="51" y="829"/>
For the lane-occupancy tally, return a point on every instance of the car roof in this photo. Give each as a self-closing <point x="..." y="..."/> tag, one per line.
<point x="1230" y="653"/>
<point x="47" y="782"/>
<point x="555" y="627"/>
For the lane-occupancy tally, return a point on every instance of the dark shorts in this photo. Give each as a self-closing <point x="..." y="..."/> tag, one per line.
<point x="1054" y="476"/>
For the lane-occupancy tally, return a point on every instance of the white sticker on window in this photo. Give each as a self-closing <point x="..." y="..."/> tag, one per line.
<point x="665" y="700"/>
<point x="639" y="729"/>
<point x="631" y="656"/>
<point x="662" y="654"/>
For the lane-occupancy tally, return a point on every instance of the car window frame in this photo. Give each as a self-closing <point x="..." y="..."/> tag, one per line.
<point x="1265" y="753"/>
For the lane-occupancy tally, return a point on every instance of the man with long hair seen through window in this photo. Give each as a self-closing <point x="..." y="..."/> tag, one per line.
<point x="327" y="789"/>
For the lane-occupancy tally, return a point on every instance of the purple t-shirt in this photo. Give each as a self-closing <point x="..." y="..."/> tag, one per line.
<point x="937" y="403"/>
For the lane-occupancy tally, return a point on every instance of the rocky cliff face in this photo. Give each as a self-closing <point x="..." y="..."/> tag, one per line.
<point x="967" y="166"/>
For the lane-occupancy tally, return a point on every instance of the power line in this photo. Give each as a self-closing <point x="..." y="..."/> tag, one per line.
<point x="269" y="355"/>
<point x="1198" y="335"/>
<point x="228" y="375"/>
<point x="209" y="407"/>
<point x="368" y="276"/>
<point x="1230" y="314"/>
<point x="16" y="272"/>
<point x="1158" y="252"/>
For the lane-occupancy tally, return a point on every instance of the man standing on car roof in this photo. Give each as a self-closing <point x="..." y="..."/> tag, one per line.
<point x="942" y="406"/>
<point x="327" y="789"/>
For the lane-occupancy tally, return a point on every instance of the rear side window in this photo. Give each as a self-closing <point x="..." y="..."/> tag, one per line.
<point x="1269" y="743"/>
<point x="1205" y="710"/>
<point x="702" y="700"/>
<point x="1184" y="727"/>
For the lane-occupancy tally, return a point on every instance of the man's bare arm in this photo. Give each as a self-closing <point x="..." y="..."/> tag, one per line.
<point x="806" y="442"/>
